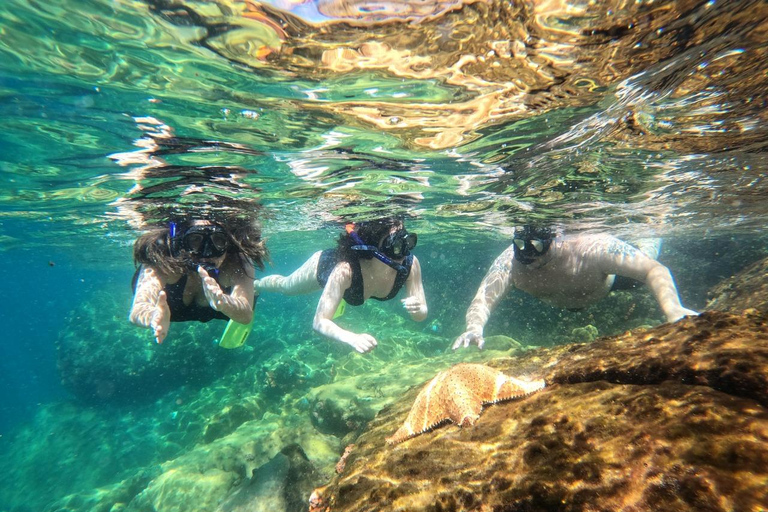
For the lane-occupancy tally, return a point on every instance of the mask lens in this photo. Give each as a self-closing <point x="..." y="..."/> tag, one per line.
<point x="538" y="245"/>
<point x="398" y="244"/>
<point x="206" y="242"/>
<point x="520" y="244"/>
<point x="193" y="242"/>
<point x="220" y="242"/>
<point x="398" y="247"/>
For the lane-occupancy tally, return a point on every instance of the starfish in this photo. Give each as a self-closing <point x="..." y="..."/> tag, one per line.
<point x="458" y="394"/>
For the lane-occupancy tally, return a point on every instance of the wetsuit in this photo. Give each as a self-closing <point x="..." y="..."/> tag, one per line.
<point x="181" y="312"/>
<point x="354" y="294"/>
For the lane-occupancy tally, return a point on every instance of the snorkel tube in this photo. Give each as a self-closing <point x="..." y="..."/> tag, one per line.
<point x="361" y="246"/>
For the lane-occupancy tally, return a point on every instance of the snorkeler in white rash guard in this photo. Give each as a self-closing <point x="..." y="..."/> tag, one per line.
<point x="569" y="272"/>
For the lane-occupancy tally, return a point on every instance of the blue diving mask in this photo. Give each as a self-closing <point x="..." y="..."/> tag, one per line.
<point x="362" y="246"/>
<point x="399" y="244"/>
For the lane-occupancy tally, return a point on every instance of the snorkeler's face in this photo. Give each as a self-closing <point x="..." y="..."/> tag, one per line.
<point x="398" y="244"/>
<point x="526" y="251"/>
<point x="207" y="241"/>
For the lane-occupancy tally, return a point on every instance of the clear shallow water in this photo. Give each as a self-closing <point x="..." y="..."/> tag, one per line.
<point x="645" y="120"/>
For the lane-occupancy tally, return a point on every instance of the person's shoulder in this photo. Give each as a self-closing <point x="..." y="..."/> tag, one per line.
<point x="343" y="266"/>
<point x="589" y="240"/>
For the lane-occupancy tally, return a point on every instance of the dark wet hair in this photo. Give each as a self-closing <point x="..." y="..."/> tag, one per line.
<point x="370" y="232"/>
<point x="531" y="232"/>
<point x="155" y="246"/>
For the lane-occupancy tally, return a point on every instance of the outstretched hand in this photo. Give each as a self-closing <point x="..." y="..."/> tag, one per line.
<point x="213" y="292"/>
<point x="161" y="318"/>
<point x="413" y="305"/>
<point x="681" y="313"/>
<point x="361" y="342"/>
<point x="469" y="337"/>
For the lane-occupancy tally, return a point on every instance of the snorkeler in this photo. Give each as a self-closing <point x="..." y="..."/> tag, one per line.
<point x="568" y="272"/>
<point x="196" y="270"/>
<point x="371" y="260"/>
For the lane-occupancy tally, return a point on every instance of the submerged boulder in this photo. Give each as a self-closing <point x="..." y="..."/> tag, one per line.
<point x="672" y="418"/>
<point x="747" y="290"/>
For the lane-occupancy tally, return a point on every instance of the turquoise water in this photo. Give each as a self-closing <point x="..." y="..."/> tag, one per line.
<point x="467" y="118"/>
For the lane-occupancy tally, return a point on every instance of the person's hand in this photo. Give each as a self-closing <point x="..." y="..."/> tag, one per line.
<point x="161" y="318"/>
<point x="472" y="335"/>
<point x="681" y="313"/>
<point x="413" y="305"/>
<point x="213" y="292"/>
<point x="361" y="342"/>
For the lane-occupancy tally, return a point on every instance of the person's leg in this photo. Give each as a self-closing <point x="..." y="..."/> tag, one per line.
<point x="301" y="281"/>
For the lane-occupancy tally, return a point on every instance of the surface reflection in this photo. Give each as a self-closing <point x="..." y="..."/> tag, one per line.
<point x="500" y="61"/>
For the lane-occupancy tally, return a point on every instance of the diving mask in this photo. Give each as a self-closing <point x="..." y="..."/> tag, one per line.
<point x="209" y="241"/>
<point x="399" y="244"/>
<point x="531" y="242"/>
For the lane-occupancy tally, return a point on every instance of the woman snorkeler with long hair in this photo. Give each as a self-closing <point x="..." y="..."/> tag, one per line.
<point x="371" y="260"/>
<point x="196" y="270"/>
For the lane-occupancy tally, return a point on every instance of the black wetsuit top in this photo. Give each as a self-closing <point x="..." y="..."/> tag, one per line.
<point x="181" y="312"/>
<point x="354" y="294"/>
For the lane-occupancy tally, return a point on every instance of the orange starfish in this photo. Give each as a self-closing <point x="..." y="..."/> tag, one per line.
<point x="458" y="394"/>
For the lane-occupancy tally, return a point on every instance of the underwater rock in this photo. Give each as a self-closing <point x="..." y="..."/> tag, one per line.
<point x="584" y="334"/>
<point x="673" y="418"/>
<point x="282" y="375"/>
<point x="501" y="342"/>
<point x="339" y="415"/>
<point x="747" y="290"/>
<point x="283" y="484"/>
<point x="227" y="420"/>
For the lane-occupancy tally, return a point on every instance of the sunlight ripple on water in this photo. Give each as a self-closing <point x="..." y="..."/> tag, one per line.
<point x="460" y="114"/>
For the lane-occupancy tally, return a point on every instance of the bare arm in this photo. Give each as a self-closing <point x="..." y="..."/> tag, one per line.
<point x="494" y="286"/>
<point x="150" y="306"/>
<point x="338" y="282"/>
<point x="416" y="302"/>
<point x="620" y="258"/>
<point x="302" y="280"/>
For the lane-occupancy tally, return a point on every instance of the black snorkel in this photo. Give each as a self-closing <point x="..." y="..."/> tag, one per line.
<point x="362" y="246"/>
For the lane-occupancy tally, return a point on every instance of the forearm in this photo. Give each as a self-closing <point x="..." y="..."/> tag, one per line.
<point x="144" y="306"/>
<point x="239" y="309"/>
<point x="478" y="314"/>
<point x="494" y="286"/>
<point x="662" y="285"/>
<point x="141" y="313"/>
<point x="273" y="283"/>
<point x="330" y="329"/>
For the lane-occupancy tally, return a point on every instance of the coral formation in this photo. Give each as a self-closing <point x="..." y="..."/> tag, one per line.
<point x="673" y="418"/>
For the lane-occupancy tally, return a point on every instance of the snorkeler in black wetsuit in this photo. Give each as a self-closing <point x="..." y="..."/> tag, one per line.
<point x="371" y="260"/>
<point x="195" y="271"/>
<point x="181" y="312"/>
